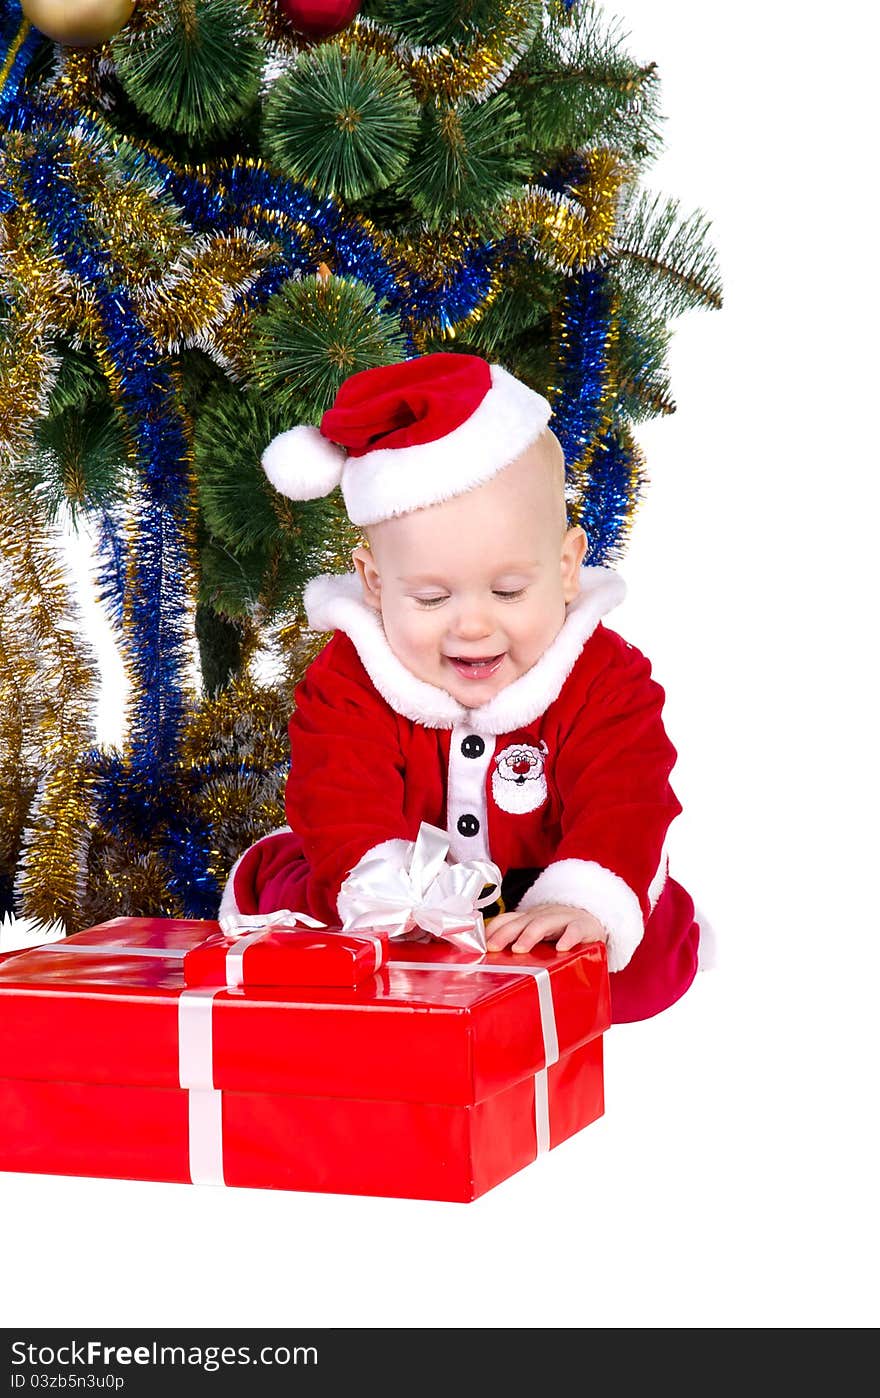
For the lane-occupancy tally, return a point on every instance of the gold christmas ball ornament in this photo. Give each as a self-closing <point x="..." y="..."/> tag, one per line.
<point x="78" y="23"/>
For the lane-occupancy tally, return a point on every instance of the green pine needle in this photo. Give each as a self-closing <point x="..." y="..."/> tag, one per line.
<point x="80" y="379"/>
<point x="577" y="86"/>
<point x="639" y="370"/>
<point x="198" y="70"/>
<point x="312" y="335"/>
<point x="266" y="582"/>
<point x="467" y="160"/>
<point x="527" y="299"/>
<point x="662" y="259"/>
<point x="232" y="429"/>
<point x="85" y="452"/>
<point x="220" y="643"/>
<point x="78" y="460"/>
<point x="528" y="358"/>
<point x="230" y="583"/>
<point x="343" y="124"/>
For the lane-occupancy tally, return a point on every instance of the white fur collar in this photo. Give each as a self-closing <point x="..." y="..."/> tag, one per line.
<point x="335" y="603"/>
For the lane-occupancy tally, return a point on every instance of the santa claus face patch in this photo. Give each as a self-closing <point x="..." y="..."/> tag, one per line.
<point x="519" y="782"/>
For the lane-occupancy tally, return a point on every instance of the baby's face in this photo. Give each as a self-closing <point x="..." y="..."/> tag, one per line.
<point x="474" y="590"/>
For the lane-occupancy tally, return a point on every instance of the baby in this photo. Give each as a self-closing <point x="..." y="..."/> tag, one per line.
<point x="470" y="683"/>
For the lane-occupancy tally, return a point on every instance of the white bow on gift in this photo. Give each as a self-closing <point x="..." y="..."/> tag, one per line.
<point x="423" y="895"/>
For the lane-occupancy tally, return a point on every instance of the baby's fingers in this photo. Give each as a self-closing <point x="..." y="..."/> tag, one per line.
<point x="576" y="933"/>
<point x="582" y="928"/>
<point x="503" y="930"/>
<point x="537" y="929"/>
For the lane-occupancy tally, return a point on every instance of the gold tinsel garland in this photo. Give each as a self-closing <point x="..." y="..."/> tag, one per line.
<point x="40" y="306"/>
<point x="570" y="232"/>
<point x="43" y="647"/>
<point x="21" y="706"/>
<point x="242" y="733"/>
<point x="195" y="296"/>
<point x="47" y="683"/>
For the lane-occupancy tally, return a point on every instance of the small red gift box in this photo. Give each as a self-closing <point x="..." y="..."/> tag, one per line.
<point x="282" y="955"/>
<point x="435" y="1078"/>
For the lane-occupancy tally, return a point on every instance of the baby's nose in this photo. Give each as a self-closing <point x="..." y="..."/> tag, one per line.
<point x="473" y="622"/>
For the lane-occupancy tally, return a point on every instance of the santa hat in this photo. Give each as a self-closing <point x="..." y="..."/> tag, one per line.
<point x="407" y="435"/>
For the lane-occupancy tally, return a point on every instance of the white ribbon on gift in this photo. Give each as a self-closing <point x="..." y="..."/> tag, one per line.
<point x="195" y="1028"/>
<point x="425" y="895"/>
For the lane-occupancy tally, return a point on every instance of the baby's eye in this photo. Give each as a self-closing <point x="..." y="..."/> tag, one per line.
<point x="509" y="596"/>
<point x="429" y="601"/>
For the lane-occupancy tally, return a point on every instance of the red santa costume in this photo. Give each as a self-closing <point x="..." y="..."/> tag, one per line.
<point x="561" y="779"/>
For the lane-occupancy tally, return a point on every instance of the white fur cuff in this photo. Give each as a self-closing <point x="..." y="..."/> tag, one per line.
<point x="581" y="883"/>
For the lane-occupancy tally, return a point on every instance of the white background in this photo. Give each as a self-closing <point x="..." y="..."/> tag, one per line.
<point x="732" y="1181"/>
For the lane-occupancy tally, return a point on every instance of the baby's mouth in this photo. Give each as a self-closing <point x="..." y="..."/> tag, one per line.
<point x="480" y="668"/>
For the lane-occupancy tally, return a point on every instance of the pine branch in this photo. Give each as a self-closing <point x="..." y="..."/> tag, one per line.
<point x="621" y="78"/>
<point x="312" y="334"/>
<point x="196" y="69"/>
<point x="342" y="123"/>
<point x="468" y="159"/>
<point x="665" y="260"/>
<point x="577" y="86"/>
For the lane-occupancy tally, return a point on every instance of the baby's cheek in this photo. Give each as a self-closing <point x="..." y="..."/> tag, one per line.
<point x="423" y="632"/>
<point x="424" y="635"/>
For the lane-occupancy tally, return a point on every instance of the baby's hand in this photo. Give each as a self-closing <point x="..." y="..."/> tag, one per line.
<point x="550" y="922"/>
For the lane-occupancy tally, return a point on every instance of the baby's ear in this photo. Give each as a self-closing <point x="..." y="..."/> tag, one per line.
<point x="364" y="562"/>
<point x="574" y="548"/>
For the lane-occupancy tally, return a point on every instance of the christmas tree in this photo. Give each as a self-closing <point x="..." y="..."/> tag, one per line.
<point x="213" y="211"/>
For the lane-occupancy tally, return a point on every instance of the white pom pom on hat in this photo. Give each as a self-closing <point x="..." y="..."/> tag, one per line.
<point x="302" y="464"/>
<point x="403" y="436"/>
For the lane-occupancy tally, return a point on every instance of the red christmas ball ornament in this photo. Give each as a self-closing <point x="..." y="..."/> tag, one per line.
<point x="318" y="19"/>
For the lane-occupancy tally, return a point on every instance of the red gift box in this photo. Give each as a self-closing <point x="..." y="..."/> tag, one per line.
<point x="282" y="955"/>
<point x="436" y="1078"/>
